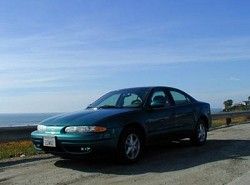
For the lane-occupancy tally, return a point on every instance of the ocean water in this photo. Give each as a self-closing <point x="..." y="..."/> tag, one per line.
<point x="23" y="119"/>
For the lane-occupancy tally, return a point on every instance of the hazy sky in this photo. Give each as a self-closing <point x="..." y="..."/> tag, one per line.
<point x="60" y="55"/>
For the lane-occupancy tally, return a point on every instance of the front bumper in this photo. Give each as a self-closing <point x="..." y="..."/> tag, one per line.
<point x="77" y="144"/>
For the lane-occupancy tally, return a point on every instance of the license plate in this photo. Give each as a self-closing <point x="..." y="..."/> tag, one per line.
<point x="49" y="141"/>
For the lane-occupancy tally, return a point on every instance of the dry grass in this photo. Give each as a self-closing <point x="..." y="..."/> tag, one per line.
<point x="235" y="120"/>
<point x="16" y="149"/>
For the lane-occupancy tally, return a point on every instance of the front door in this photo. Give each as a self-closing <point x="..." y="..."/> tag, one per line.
<point x="160" y="120"/>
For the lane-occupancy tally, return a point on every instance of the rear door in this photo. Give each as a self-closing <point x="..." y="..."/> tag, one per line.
<point x="184" y="111"/>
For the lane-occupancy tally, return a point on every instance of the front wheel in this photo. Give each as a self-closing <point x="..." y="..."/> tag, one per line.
<point x="200" y="134"/>
<point x="130" y="146"/>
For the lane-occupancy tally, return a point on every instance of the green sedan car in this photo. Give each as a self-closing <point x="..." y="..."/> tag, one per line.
<point x="123" y="122"/>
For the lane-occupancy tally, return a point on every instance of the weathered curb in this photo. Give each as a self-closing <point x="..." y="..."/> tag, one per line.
<point x="17" y="160"/>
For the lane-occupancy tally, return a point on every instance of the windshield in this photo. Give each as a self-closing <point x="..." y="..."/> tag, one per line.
<point x="122" y="98"/>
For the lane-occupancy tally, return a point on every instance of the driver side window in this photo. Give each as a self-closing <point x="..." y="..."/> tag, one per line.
<point x="132" y="100"/>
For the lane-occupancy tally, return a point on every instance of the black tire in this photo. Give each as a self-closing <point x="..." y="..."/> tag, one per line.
<point x="199" y="136"/>
<point x="122" y="153"/>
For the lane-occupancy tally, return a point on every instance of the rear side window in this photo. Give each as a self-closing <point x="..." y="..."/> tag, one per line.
<point x="179" y="98"/>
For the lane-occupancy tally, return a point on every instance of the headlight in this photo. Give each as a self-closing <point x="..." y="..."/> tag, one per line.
<point x="41" y="128"/>
<point x="84" y="129"/>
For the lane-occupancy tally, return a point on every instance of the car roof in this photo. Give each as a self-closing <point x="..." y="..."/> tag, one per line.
<point x="146" y="87"/>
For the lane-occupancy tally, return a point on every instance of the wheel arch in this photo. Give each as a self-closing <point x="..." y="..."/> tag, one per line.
<point x="205" y="119"/>
<point x="137" y="126"/>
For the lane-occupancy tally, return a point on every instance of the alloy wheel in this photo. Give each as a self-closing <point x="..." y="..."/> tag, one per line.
<point x="201" y="132"/>
<point x="132" y="146"/>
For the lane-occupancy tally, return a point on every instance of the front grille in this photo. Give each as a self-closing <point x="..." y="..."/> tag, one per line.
<point x="62" y="147"/>
<point x="52" y="149"/>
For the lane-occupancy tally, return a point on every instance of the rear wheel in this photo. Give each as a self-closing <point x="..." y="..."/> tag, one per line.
<point x="130" y="146"/>
<point x="200" y="134"/>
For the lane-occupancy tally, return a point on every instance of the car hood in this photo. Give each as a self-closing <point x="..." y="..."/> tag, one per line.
<point x="85" y="117"/>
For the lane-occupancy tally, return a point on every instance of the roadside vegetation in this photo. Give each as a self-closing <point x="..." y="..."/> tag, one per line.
<point x="16" y="149"/>
<point x="217" y="122"/>
<point x="230" y="106"/>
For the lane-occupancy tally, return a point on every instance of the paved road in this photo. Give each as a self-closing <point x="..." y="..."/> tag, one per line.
<point x="225" y="159"/>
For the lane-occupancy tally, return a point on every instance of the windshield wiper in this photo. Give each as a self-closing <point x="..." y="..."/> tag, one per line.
<point x="107" y="107"/>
